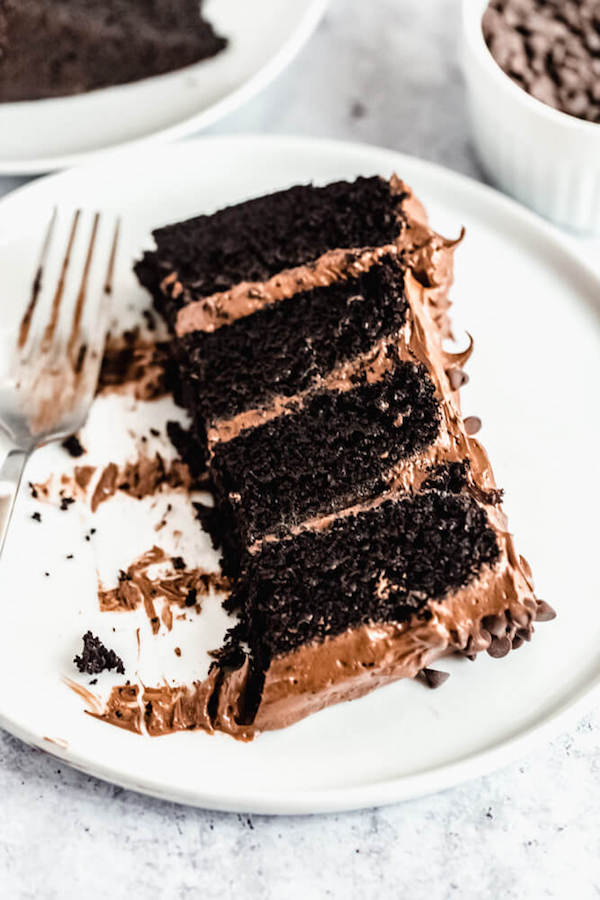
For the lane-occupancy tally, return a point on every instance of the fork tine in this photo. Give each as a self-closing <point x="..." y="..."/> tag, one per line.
<point x="60" y="287"/>
<point x="82" y="292"/>
<point x="110" y="271"/>
<point x="89" y="353"/>
<point x="37" y="283"/>
<point x="57" y="374"/>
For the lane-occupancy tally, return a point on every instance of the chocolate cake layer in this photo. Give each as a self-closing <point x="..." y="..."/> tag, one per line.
<point x="255" y="240"/>
<point x="382" y="564"/>
<point x="51" y="48"/>
<point x="338" y="446"/>
<point x="284" y="348"/>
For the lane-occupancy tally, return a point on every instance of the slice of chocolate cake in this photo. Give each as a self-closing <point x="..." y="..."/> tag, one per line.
<point x="356" y="512"/>
<point x="51" y="48"/>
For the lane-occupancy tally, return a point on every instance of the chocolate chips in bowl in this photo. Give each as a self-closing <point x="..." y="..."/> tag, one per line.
<point x="532" y="69"/>
<point x="551" y="49"/>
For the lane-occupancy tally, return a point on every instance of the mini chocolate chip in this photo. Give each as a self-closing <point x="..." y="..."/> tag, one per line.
<point x="544" y="612"/>
<point x="499" y="647"/>
<point x="148" y="709"/>
<point x="66" y="502"/>
<point x="457" y="378"/>
<point x="37" y="517"/>
<point x="485" y="636"/>
<point x="178" y="563"/>
<point x="433" y="678"/>
<point x="496" y="625"/>
<point x="523" y="618"/>
<point x="472" y="424"/>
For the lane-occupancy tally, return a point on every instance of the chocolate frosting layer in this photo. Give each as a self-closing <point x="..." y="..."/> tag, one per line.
<point x="428" y="256"/>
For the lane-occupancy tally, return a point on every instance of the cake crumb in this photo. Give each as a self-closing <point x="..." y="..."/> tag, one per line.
<point x="73" y="446"/>
<point x="96" y="658"/>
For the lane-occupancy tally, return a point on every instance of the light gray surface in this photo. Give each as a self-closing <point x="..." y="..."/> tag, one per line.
<point x="530" y="831"/>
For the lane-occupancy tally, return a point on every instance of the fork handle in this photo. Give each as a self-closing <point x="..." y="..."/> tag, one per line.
<point x="11" y="473"/>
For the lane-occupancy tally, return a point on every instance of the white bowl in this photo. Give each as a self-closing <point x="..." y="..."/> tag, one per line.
<point x="548" y="160"/>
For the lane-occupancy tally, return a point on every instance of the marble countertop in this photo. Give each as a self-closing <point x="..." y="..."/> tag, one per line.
<point x="385" y="72"/>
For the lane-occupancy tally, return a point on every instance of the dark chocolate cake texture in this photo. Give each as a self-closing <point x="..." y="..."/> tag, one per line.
<point x="358" y="516"/>
<point x="53" y="48"/>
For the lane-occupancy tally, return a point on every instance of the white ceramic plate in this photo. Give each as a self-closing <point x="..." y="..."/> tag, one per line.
<point x="532" y="306"/>
<point x="264" y="36"/>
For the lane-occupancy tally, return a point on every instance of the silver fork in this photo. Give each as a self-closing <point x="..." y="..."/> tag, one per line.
<point x="50" y="384"/>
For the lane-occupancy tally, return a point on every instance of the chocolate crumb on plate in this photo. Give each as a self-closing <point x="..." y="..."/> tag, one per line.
<point x="149" y="319"/>
<point x="37" y="517"/>
<point x="66" y="502"/>
<point x="96" y="658"/>
<point x="73" y="446"/>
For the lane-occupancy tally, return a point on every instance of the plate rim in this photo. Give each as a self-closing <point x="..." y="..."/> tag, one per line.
<point x="391" y="790"/>
<point x="238" y="97"/>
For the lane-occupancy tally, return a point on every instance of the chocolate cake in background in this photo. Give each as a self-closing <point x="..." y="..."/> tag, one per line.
<point x="52" y="48"/>
<point x="357" y="515"/>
